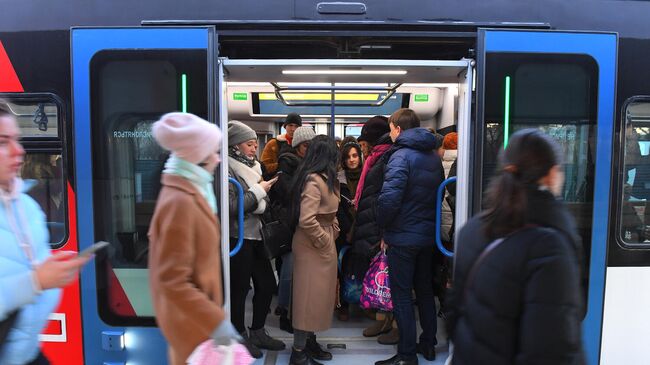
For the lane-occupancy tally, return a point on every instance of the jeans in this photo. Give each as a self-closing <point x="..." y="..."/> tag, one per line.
<point x="286" y="273"/>
<point x="410" y="268"/>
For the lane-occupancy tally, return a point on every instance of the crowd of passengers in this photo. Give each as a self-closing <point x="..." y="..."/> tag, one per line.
<point x="516" y="295"/>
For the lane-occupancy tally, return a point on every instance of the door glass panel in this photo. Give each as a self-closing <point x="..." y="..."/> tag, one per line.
<point x="558" y="95"/>
<point x="130" y="90"/>
<point x="635" y="206"/>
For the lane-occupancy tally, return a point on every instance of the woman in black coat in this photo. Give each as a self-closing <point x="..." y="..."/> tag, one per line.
<point x="516" y="296"/>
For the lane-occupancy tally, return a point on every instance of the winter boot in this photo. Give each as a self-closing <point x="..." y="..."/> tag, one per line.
<point x="379" y="327"/>
<point x="285" y="322"/>
<point x="252" y="349"/>
<point x="262" y="340"/>
<point x="390" y="338"/>
<point x="315" y="351"/>
<point x="301" y="358"/>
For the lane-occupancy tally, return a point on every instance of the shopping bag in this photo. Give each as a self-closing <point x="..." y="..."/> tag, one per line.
<point x="351" y="284"/>
<point x="376" y="285"/>
<point x="207" y="353"/>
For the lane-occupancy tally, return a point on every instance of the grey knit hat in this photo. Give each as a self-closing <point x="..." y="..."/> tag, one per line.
<point x="302" y="134"/>
<point x="239" y="132"/>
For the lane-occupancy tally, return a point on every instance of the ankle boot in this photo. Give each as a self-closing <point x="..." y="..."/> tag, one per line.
<point x="285" y="322"/>
<point x="315" y="350"/>
<point x="301" y="358"/>
<point x="390" y="338"/>
<point x="262" y="340"/>
<point x="379" y="327"/>
<point x="252" y="349"/>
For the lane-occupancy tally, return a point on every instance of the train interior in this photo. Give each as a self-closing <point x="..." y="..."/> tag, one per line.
<point x="261" y="93"/>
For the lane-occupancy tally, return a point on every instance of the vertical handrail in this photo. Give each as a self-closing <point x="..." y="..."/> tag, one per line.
<point x="240" y="216"/>
<point x="441" y="192"/>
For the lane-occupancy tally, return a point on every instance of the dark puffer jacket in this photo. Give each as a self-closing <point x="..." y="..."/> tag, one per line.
<point x="408" y="197"/>
<point x="366" y="232"/>
<point x="524" y="303"/>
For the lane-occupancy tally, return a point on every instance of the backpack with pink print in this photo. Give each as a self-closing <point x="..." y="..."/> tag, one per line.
<point x="376" y="285"/>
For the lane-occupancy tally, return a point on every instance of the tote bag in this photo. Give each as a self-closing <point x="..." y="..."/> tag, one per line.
<point x="376" y="285"/>
<point x="210" y="354"/>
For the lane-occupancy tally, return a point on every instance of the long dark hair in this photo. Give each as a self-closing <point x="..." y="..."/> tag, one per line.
<point x="530" y="156"/>
<point x="322" y="157"/>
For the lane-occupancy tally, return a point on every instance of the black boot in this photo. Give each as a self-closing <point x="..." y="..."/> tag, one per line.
<point x="399" y="360"/>
<point x="315" y="350"/>
<point x="262" y="340"/>
<point x="252" y="349"/>
<point x="428" y="352"/>
<point x="285" y="322"/>
<point x="301" y="358"/>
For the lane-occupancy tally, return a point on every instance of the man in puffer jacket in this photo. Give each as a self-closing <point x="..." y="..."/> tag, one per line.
<point x="407" y="204"/>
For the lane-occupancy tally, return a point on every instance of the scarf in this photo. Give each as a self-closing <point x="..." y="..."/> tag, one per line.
<point x="375" y="155"/>
<point x="352" y="180"/>
<point x="235" y="153"/>
<point x="197" y="175"/>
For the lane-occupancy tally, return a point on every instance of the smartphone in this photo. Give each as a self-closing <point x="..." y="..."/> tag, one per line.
<point x="94" y="248"/>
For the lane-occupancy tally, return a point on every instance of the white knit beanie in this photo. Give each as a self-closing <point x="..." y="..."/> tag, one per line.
<point x="187" y="136"/>
<point x="302" y="134"/>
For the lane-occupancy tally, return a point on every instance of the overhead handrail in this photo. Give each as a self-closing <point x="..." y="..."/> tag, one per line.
<point x="240" y="216"/>
<point x="389" y="90"/>
<point x="441" y="194"/>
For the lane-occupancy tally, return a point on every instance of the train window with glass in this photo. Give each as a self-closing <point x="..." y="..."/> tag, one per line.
<point x="634" y="222"/>
<point x="130" y="90"/>
<point x="39" y="116"/>
<point x="556" y="93"/>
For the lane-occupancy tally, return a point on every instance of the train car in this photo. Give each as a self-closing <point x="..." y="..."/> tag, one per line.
<point x="87" y="78"/>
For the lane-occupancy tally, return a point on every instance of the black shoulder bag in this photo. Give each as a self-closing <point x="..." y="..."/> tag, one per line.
<point x="276" y="234"/>
<point x="6" y="325"/>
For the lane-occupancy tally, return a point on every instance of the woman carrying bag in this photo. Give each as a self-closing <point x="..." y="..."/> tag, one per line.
<point x="516" y="296"/>
<point x="251" y="261"/>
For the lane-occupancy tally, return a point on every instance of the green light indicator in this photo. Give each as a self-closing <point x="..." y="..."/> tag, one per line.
<point x="421" y="98"/>
<point x="184" y="93"/>
<point x="506" y="115"/>
<point x="240" y="96"/>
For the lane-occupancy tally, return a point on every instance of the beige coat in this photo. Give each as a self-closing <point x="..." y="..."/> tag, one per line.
<point x="315" y="260"/>
<point x="185" y="267"/>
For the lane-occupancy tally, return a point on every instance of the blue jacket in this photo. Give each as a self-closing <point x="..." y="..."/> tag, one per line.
<point x="407" y="203"/>
<point x="17" y="290"/>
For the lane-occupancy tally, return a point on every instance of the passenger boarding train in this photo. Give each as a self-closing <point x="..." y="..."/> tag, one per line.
<point x="86" y="79"/>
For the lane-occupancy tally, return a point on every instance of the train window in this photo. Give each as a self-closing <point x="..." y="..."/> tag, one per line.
<point x="558" y="95"/>
<point x="634" y="222"/>
<point x="129" y="91"/>
<point x="353" y="130"/>
<point x="36" y="119"/>
<point x="45" y="172"/>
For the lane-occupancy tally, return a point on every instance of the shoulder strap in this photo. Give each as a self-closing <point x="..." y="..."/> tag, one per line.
<point x="486" y="252"/>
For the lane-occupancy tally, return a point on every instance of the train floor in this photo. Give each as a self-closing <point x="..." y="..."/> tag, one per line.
<point x="349" y="347"/>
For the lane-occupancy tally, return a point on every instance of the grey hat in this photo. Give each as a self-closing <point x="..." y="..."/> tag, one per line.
<point x="239" y="132"/>
<point x="302" y="134"/>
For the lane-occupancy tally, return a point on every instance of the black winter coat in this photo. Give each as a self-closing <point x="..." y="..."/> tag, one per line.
<point x="366" y="234"/>
<point x="524" y="304"/>
<point x="281" y="191"/>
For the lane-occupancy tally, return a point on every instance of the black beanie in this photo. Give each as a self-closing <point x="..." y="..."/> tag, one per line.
<point x="373" y="129"/>
<point x="293" y="118"/>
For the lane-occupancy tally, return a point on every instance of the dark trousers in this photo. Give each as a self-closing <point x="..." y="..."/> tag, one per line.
<point x="250" y="262"/>
<point x="410" y="268"/>
<point x="40" y="360"/>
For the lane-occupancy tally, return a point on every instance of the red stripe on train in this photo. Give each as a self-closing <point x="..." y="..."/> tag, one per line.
<point x="9" y="82"/>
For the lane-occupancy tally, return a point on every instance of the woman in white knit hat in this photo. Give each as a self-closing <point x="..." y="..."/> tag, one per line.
<point x="251" y="261"/>
<point x="184" y="250"/>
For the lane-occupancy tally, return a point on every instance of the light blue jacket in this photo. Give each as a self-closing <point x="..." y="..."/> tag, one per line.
<point x="17" y="288"/>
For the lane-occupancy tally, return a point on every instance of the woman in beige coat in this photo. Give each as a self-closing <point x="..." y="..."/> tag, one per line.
<point x="184" y="251"/>
<point x="315" y="202"/>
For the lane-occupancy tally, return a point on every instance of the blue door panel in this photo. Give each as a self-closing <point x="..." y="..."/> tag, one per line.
<point x="142" y="345"/>
<point x="602" y="47"/>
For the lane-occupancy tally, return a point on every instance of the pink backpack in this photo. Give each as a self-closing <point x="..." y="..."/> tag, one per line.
<point x="376" y="285"/>
<point x="209" y="354"/>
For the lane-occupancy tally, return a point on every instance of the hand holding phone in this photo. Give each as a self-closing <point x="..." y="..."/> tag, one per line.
<point x="89" y="251"/>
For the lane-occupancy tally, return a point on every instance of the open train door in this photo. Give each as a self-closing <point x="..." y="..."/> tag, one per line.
<point x="564" y="84"/>
<point x="124" y="79"/>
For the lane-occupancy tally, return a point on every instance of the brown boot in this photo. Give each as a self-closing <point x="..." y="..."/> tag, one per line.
<point x="390" y="338"/>
<point x="379" y="327"/>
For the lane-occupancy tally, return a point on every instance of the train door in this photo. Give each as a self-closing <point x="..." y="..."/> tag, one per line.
<point x="123" y="80"/>
<point x="564" y="84"/>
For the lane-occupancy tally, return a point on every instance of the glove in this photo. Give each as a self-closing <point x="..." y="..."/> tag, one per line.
<point x="225" y="333"/>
